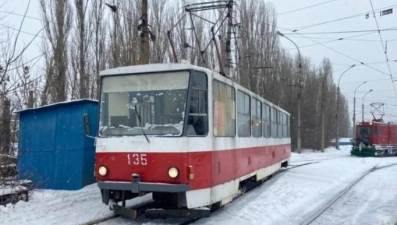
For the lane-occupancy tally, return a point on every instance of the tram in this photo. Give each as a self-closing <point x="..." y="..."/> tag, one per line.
<point x="189" y="135"/>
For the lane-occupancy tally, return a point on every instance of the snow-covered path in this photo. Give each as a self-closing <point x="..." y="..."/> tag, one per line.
<point x="295" y="195"/>
<point x="372" y="201"/>
<point x="289" y="198"/>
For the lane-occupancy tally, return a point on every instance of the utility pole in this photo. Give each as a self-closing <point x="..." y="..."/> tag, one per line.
<point x="363" y="104"/>
<point x="323" y="113"/>
<point x="144" y="34"/>
<point x="337" y="107"/>
<point x="354" y="117"/>
<point x="354" y="108"/>
<point x="228" y="52"/>
<point x="299" y="144"/>
<point x="299" y="150"/>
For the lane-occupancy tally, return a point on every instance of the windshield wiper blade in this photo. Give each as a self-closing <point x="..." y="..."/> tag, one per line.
<point x="140" y="123"/>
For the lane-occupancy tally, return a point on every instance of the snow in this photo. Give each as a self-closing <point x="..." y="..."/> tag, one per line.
<point x="341" y="140"/>
<point x="58" y="104"/>
<point x="290" y="197"/>
<point x="8" y="189"/>
<point x="8" y="165"/>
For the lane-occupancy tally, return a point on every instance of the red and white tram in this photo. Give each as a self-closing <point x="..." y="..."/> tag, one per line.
<point x="185" y="133"/>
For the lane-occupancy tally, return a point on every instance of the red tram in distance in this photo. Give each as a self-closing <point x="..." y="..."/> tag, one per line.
<point x="190" y="136"/>
<point x="375" y="138"/>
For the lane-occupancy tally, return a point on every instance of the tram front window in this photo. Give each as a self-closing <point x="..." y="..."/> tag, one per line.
<point x="150" y="104"/>
<point x="364" y="132"/>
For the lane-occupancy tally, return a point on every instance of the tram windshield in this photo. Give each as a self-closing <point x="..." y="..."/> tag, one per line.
<point x="364" y="132"/>
<point x="144" y="104"/>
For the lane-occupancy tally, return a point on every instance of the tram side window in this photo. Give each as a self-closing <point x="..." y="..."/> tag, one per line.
<point x="284" y="122"/>
<point x="224" y="109"/>
<point x="256" y="118"/>
<point x="266" y="119"/>
<point x="197" y="124"/>
<point x="280" y="119"/>
<point x="274" y="122"/>
<point x="288" y="126"/>
<point x="243" y="115"/>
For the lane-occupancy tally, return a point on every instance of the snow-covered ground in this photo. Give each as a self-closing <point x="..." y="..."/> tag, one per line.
<point x="289" y="198"/>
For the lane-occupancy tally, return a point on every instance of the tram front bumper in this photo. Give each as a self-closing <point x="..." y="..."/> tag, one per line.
<point x="138" y="187"/>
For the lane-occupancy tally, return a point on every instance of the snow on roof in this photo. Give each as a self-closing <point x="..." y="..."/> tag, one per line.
<point x="58" y="104"/>
<point x="155" y="67"/>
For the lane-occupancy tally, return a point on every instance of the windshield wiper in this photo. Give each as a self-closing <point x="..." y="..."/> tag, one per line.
<point x="140" y="123"/>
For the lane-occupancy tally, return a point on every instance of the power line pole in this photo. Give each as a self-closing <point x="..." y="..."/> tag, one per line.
<point x="228" y="52"/>
<point x="363" y="104"/>
<point x="300" y="86"/>
<point x="354" y="117"/>
<point x="354" y="108"/>
<point x="144" y="34"/>
<point x="337" y="107"/>
<point x="299" y="143"/>
<point x="323" y="113"/>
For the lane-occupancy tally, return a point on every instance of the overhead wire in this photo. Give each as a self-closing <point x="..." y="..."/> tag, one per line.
<point x="334" y="32"/>
<point x="340" y="19"/>
<point x="356" y="82"/>
<point x="24" y="32"/>
<point x="337" y="39"/>
<point x="350" y="39"/>
<point x="21" y="15"/>
<point x="307" y="7"/>
<point x="383" y="47"/>
<point x="345" y="55"/>
<point x="343" y="32"/>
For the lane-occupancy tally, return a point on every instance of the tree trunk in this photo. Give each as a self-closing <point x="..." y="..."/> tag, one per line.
<point x="6" y="132"/>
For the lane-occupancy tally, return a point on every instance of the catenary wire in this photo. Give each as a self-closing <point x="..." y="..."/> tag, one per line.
<point x="336" y="39"/>
<point x="304" y="8"/>
<point x="339" y="19"/>
<point x="343" y="31"/>
<point x="383" y="47"/>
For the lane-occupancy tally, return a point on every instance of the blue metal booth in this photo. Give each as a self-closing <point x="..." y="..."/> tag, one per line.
<point x="53" y="150"/>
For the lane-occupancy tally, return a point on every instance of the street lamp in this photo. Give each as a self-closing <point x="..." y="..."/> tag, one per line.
<point x="337" y="107"/>
<point x="363" y="103"/>
<point x="354" y="108"/>
<point x="299" y="92"/>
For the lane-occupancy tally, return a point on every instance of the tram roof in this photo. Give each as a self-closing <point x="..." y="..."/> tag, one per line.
<point x="147" y="68"/>
<point x="160" y="67"/>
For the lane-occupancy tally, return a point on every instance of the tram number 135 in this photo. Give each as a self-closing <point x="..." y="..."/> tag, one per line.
<point x="137" y="159"/>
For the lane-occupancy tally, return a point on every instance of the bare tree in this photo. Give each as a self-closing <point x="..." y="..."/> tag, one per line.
<point x="56" y="16"/>
<point x="98" y="46"/>
<point x="11" y="65"/>
<point x="83" y="41"/>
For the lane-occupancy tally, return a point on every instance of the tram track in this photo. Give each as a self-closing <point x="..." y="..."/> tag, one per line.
<point x="177" y="221"/>
<point x="342" y="193"/>
<point x="104" y="219"/>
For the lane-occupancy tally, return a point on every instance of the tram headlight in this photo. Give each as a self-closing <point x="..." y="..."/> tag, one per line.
<point x="102" y="171"/>
<point x="173" y="172"/>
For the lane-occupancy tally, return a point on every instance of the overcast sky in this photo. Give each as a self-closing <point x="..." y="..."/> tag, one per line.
<point x="366" y="48"/>
<point x="356" y="46"/>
